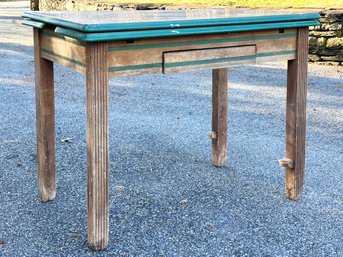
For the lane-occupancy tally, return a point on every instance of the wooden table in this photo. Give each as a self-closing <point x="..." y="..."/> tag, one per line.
<point x="122" y="43"/>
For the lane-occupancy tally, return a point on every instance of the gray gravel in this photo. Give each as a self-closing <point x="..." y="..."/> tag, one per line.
<point x="165" y="197"/>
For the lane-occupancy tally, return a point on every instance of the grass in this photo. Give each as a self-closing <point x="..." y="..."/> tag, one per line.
<point x="248" y="3"/>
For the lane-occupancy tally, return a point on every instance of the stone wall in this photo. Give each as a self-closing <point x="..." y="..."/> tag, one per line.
<point x="74" y="5"/>
<point x="326" y="40"/>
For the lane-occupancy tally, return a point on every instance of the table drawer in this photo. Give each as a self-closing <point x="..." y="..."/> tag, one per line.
<point x="210" y="58"/>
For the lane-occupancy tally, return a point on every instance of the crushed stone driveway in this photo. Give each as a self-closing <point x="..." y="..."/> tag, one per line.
<point x="165" y="197"/>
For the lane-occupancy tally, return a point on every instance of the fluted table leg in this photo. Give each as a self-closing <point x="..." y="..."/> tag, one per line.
<point x="97" y="145"/>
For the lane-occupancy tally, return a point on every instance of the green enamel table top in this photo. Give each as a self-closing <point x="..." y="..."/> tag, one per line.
<point x="123" y="25"/>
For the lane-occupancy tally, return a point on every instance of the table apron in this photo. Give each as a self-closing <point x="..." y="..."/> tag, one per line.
<point x="146" y="56"/>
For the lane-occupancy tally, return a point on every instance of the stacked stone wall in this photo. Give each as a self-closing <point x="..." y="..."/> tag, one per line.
<point x="326" y="40"/>
<point x="71" y="5"/>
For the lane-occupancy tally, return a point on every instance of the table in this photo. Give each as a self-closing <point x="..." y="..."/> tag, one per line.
<point x="123" y="43"/>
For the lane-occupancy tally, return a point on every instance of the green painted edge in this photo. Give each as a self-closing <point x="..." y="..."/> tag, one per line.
<point x="37" y="16"/>
<point x="210" y="61"/>
<point x="63" y="57"/>
<point x="115" y="36"/>
<point x="35" y="24"/>
<point x="110" y="27"/>
<point x="135" y="67"/>
<point x="285" y="52"/>
<point x="176" y="64"/>
<point x="73" y="41"/>
<point x="74" y="34"/>
<point x="180" y="64"/>
<point x="199" y="42"/>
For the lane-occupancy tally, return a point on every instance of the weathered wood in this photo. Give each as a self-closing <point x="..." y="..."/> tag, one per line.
<point x="219" y="116"/>
<point x="45" y="121"/>
<point x="131" y="57"/>
<point x="296" y="116"/>
<point x="65" y="51"/>
<point x="66" y="63"/>
<point x="134" y="72"/>
<point x="196" y="39"/>
<point x="208" y="53"/>
<point x="97" y="144"/>
<point x="212" y="58"/>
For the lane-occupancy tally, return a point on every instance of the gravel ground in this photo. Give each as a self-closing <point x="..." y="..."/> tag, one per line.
<point x="165" y="197"/>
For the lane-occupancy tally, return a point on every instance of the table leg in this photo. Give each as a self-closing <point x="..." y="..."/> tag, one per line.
<point x="219" y="116"/>
<point x="97" y="145"/>
<point x="296" y="116"/>
<point x="45" y="125"/>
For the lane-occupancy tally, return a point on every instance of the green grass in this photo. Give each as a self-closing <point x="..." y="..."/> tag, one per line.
<point x="247" y="3"/>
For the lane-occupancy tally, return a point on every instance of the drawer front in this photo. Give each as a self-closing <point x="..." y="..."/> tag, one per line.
<point x="211" y="58"/>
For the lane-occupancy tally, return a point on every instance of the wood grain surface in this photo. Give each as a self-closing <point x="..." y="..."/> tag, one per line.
<point x="219" y="116"/>
<point x="63" y="50"/>
<point x="97" y="145"/>
<point x="45" y="122"/>
<point x="145" y="55"/>
<point x="211" y="58"/>
<point x="296" y="116"/>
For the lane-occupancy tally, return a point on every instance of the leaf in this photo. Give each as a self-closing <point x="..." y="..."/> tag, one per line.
<point x="67" y="140"/>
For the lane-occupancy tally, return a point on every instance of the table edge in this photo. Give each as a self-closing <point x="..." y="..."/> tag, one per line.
<point x="174" y="24"/>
